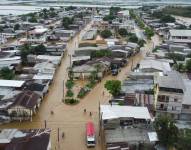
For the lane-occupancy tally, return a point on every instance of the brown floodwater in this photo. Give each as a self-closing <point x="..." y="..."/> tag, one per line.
<point x="71" y="119"/>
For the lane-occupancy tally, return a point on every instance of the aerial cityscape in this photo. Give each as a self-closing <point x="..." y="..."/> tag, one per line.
<point x="100" y="75"/>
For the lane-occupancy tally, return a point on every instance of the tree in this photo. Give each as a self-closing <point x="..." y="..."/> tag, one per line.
<point x="25" y="51"/>
<point x="123" y="32"/>
<point x="167" y="19"/>
<point x="149" y="32"/>
<point x="166" y="130"/>
<point x="66" y="21"/>
<point x="141" y="43"/>
<point x="106" y="33"/>
<point x="16" y="26"/>
<point x="39" y="49"/>
<point x="114" y="10"/>
<point x="108" y="18"/>
<point x="184" y="140"/>
<point x="7" y="73"/>
<point x="133" y="38"/>
<point x="113" y="86"/>
<point x="188" y="65"/>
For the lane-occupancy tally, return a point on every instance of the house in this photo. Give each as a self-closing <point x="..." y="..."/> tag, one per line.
<point x="25" y="105"/>
<point x="169" y="94"/>
<point x="38" y="139"/>
<point x="186" y="104"/>
<point x="180" y="36"/>
<point x="129" y="125"/>
<point x="153" y="65"/>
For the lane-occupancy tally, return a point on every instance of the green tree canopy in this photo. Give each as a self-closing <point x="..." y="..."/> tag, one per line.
<point x="149" y="32"/>
<point x="25" y="51"/>
<point x="66" y="21"/>
<point x="113" y="86"/>
<point x="166" y="130"/>
<point x="39" y="49"/>
<point x="184" y="140"/>
<point x="188" y="65"/>
<point x="123" y="32"/>
<point x="6" y="73"/>
<point x="133" y="38"/>
<point x="17" y="26"/>
<point x="106" y="33"/>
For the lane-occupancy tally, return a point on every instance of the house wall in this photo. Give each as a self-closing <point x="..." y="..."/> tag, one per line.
<point x="169" y="102"/>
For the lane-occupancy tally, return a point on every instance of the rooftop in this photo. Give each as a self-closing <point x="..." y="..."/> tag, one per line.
<point x="115" y="112"/>
<point x="172" y="80"/>
<point x="11" y="83"/>
<point x="180" y="32"/>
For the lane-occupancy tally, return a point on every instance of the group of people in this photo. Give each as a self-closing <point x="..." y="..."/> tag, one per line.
<point x="89" y="113"/>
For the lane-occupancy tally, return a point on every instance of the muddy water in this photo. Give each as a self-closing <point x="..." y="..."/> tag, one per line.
<point x="71" y="119"/>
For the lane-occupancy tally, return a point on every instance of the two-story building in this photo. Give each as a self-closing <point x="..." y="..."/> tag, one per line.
<point x="169" y="94"/>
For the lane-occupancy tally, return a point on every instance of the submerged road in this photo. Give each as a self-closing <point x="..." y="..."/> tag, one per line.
<point x="71" y="119"/>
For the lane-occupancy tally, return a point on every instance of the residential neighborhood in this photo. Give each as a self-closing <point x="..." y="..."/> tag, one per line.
<point x="108" y="78"/>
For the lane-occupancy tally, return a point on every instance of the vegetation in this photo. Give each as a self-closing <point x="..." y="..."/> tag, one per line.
<point x="16" y="26"/>
<point x="164" y="18"/>
<point x="133" y="38"/>
<point x="71" y="101"/>
<point x="69" y="93"/>
<point x="69" y="84"/>
<point x="123" y="32"/>
<point x="176" y="56"/>
<point x="83" y="92"/>
<point x="113" y="86"/>
<point x="106" y="33"/>
<point x="138" y="20"/>
<point x="70" y="8"/>
<point x="141" y="43"/>
<point x="112" y="14"/>
<point x="25" y="51"/>
<point x="7" y="74"/>
<point x="188" y="65"/>
<point x="177" y="10"/>
<point x="67" y="21"/>
<point x="184" y="139"/>
<point x="149" y="32"/>
<point x="166" y="130"/>
<point x="101" y="53"/>
<point x="39" y="49"/>
<point x="180" y="67"/>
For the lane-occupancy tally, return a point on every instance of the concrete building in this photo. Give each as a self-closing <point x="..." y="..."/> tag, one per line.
<point x="169" y="94"/>
<point x="180" y="36"/>
<point x="129" y="125"/>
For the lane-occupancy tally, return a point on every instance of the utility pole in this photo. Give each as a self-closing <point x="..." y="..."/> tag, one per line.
<point x="63" y="99"/>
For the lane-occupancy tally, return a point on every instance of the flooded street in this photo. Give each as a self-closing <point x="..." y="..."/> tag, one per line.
<point x="71" y="119"/>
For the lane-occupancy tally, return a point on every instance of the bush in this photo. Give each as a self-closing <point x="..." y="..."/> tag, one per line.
<point x="6" y="73"/>
<point x="83" y="92"/>
<point x="69" y="93"/>
<point x="71" y="101"/>
<point x="69" y="84"/>
<point x="106" y="33"/>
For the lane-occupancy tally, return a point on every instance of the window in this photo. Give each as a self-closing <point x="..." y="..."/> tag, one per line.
<point x="186" y="106"/>
<point x="175" y="100"/>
